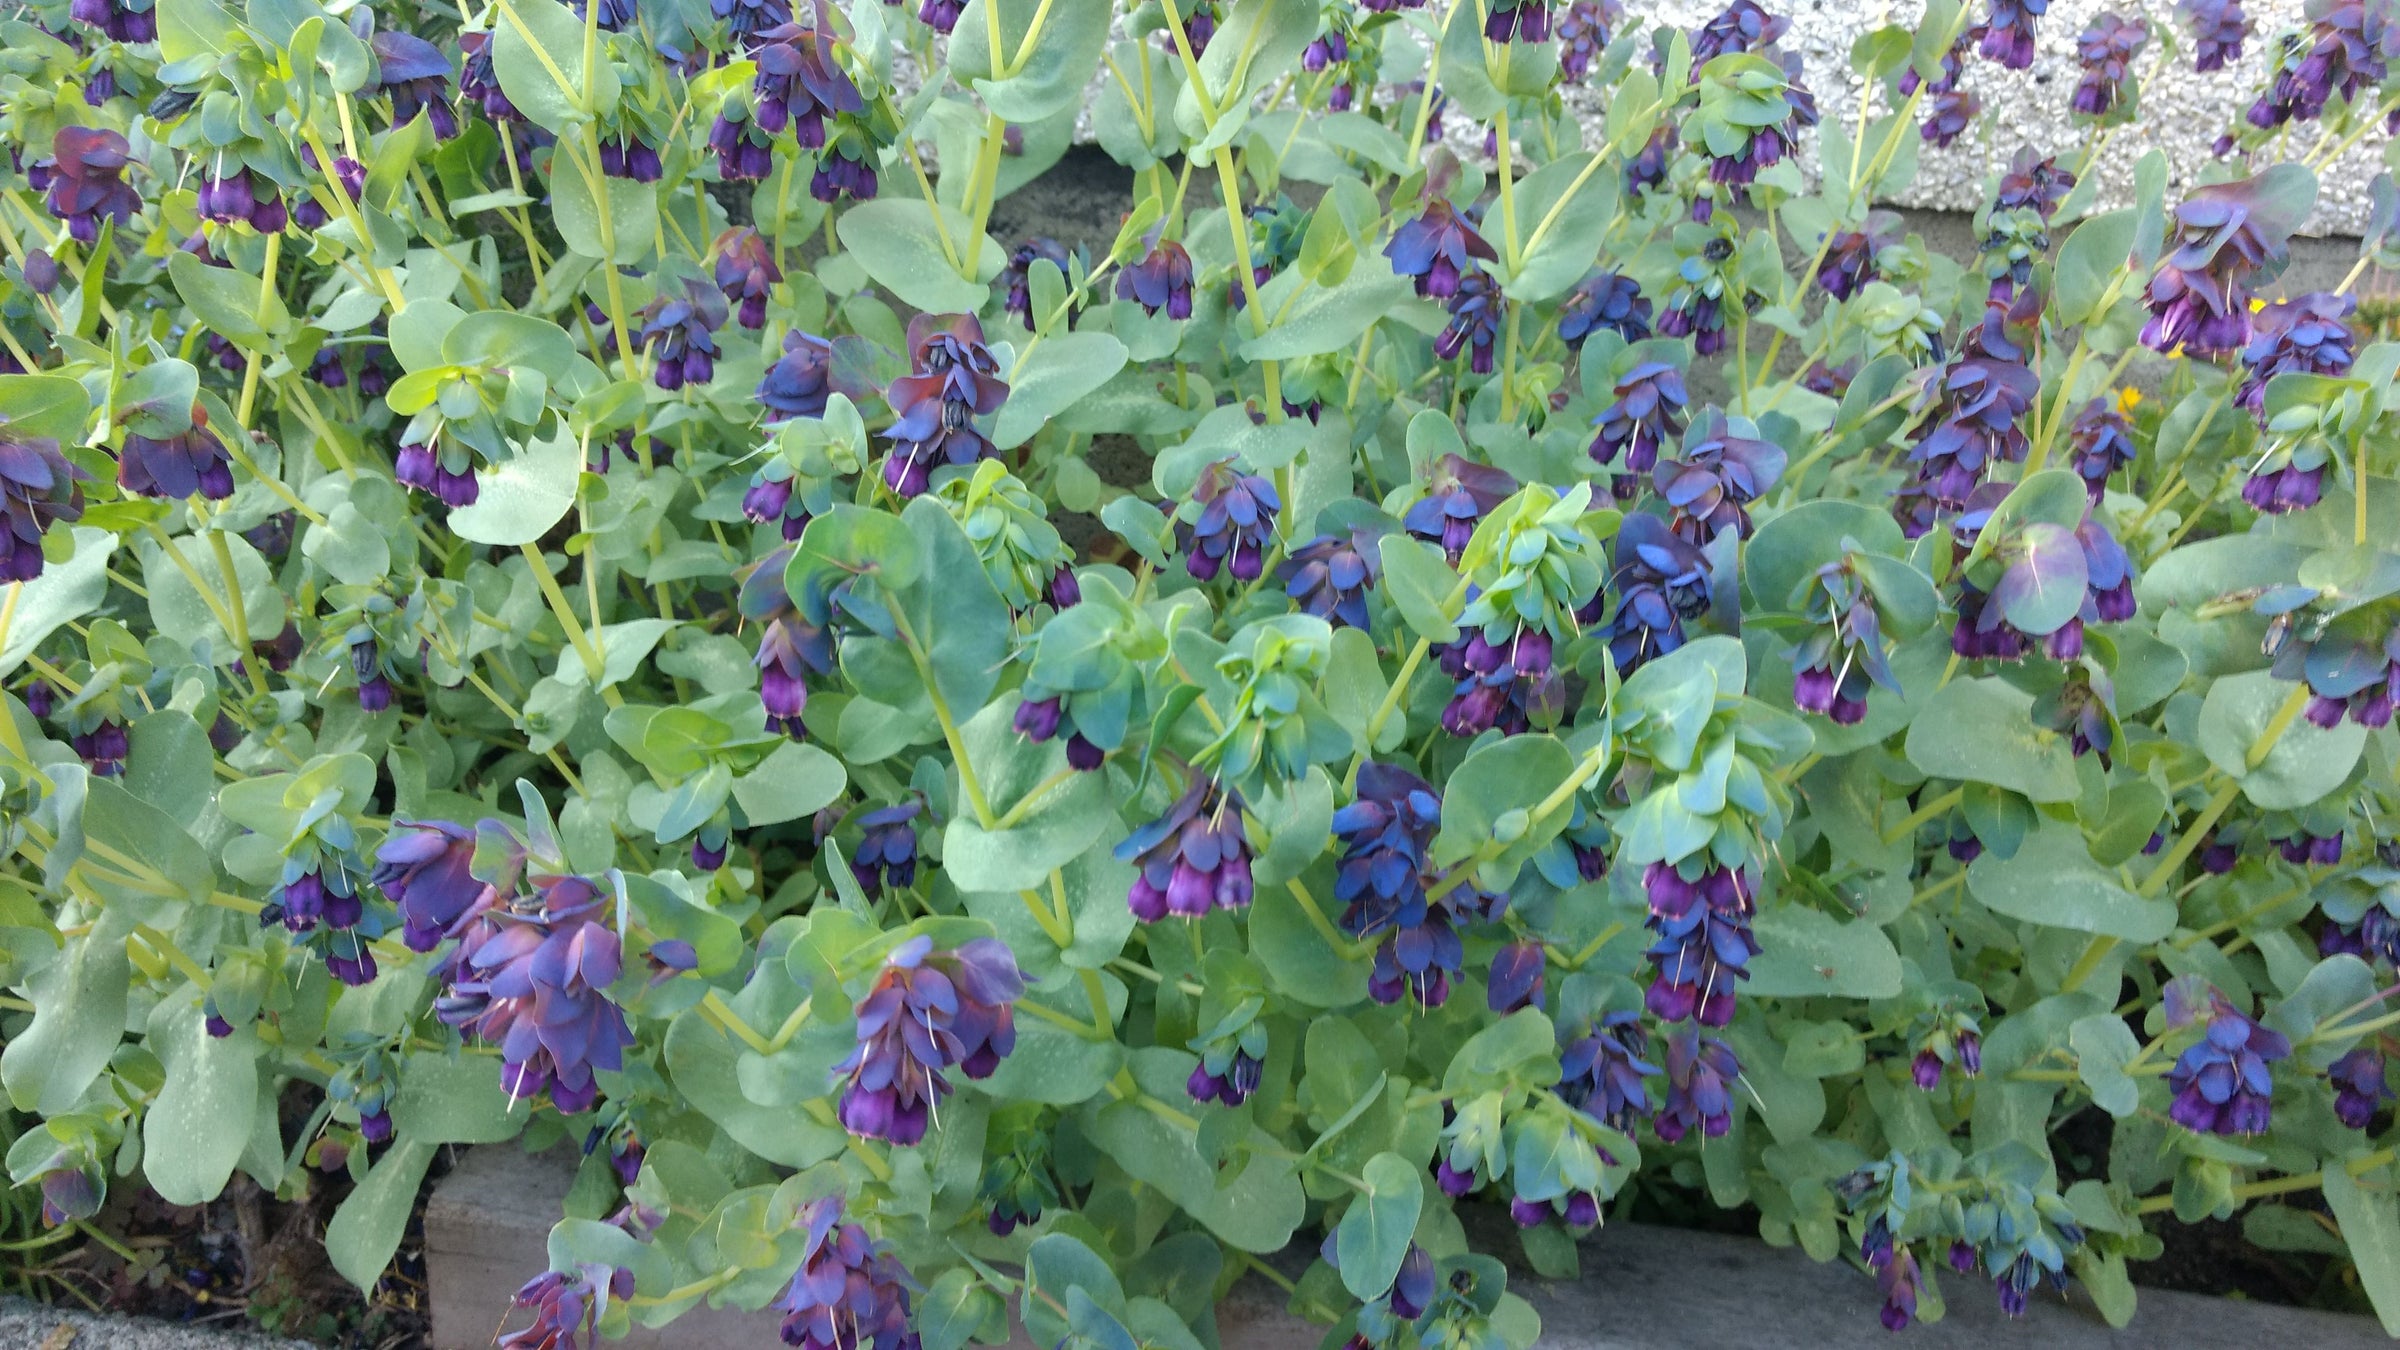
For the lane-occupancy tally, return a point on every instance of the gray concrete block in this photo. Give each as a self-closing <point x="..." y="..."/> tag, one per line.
<point x="1642" y="1288"/>
<point x="35" y="1326"/>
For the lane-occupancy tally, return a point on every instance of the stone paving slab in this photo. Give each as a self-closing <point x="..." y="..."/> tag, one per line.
<point x="34" y="1326"/>
<point x="1643" y="1288"/>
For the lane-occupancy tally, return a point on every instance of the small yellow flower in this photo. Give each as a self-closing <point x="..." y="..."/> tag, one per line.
<point x="2128" y="399"/>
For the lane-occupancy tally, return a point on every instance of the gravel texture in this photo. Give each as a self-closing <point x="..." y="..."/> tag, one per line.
<point x="32" y="1326"/>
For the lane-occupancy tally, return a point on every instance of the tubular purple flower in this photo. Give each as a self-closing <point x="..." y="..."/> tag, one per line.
<point x="1194" y="859"/>
<point x="422" y="867"/>
<point x="801" y="380"/>
<point x="1437" y="249"/>
<point x="746" y="273"/>
<point x="1602" y="1073"/>
<point x="926" y="1014"/>
<point x="954" y="379"/>
<point x="415" y="76"/>
<point x="38" y="488"/>
<point x="2008" y="34"/>
<point x="1161" y="280"/>
<point x="850" y="1292"/>
<point x="2223" y="1083"/>
<point x="1701" y="1072"/>
<point x="1235" y="526"/>
<point x="85" y="180"/>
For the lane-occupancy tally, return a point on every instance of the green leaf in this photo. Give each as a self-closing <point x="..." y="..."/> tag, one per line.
<point x="796" y="780"/>
<point x="1057" y="68"/>
<point x="176" y="607"/>
<point x="64" y="592"/>
<point x="135" y="829"/>
<point x="1156" y="1151"/>
<point x="2370" y="1221"/>
<point x="1048" y="380"/>
<point x="956" y="1308"/>
<point x="198" y="1125"/>
<point x="953" y="609"/>
<point x="1567" y="252"/>
<point x="1375" y="1231"/>
<point x="78" y="1019"/>
<point x="1982" y="731"/>
<point x="230" y="301"/>
<point x="632" y="212"/>
<point x="522" y="497"/>
<point x="1054" y="1065"/>
<point x="1807" y="953"/>
<point x="2092" y="259"/>
<point x="1329" y="318"/>
<point x="540" y="68"/>
<point x="1259" y="1208"/>
<point x="351" y="549"/>
<point x="2053" y="882"/>
<point x="1301" y="961"/>
<point x="456" y="1099"/>
<point x="1056" y="1265"/>
<point x="1489" y="799"/>
<point x="366" y="1230"/>
<point x="1418" y="581"/>
<point x="2306" y="762"/>
<point x="2103" y="1046"/>
<point x="44" y="406"/>
<point x="897" y="240"/>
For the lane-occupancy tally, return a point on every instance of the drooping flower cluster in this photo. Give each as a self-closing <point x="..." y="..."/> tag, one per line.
<point x="532" y="978"/>
<point x="2100" y="442"/>
<point x="1477" y="311"/>
<point x="2223" y="1083"/>
<point x="2359" y="1087"/>
<point x="798" y="383"/>
<point x="2200" y="295"/>
<point x="953" y="380"/>
<point x="1742" y="26"/>
<point x="1162" y="280"/>
<point x="2307" y="334"/>
<point x="1583" y="33"/>
<point x="1458" y="494"/>
<point x="1978" y="403"/>
<point x="800" y="83"/>
<point x="2008" y="34"/>
<point x="1833" y="666"/>
<point x="447" y="472"/>
<point x="2218" y="28"/>
<point x="1696" y="307"/>
<point x="1604" y="302"/>
<point x="415" y="76"/>
<point x="83" y="180"/>
<point x="1648" y="413"/>
<point x="1193" y="859"/>
<point x="424" y="868"/>
<point x="790" y="647"/>
<point x="1329" y="576"/>
<point x="680" y="334"/>
<point x="187" y="463"/>
<point x="747" y="273"/>
<point x="1704" y="943"/>
<point x="1661" y="583"/>
<point x="1511" y="685"/>
<point x="1016" y="278"/>
<point x="1437" y="249"/>
<point x="850" y="1292"/>
<point x="1701" y="1072"/>
<point x="567" y="1307"/>
<point x="1602" y="1072"/>
<point x="2106" y="52"/>
<point x="38" y="489"/>
<point x="1382" y="883"/>
<point x="927" y="1013"/>
<point x="2362" y="684"/>
<point x="1850" y="255"/>
<point x="1724" y="466"/>
<point x="1233" y="525"/>
<point x="2343" y="54"/>
<point x="887" y="848"/>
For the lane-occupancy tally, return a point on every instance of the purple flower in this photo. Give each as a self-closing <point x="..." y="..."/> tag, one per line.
<point x="1601" y="1073"/>
<point x="2301" y="848"/>
<point x="1193" y="859"/>
<point x="2280" y="490"/>
<point x="632" y="158"/>
<point x="83" y="180"/>
<point x="1844" y="652"/>
<point x="38" y="488"/>
<point x="1438" y="249"/>
<point x="1604" y="300"/>
<point x="954" y="379"/>
<point x="2359" y="1090"/>
<point x="850" y="1292"/>
<point x="2307" y="335"/>
<point x="447" y="473"/>
<point x="1329" y="575"/>
<point x="1511" y="684"/>
<point x="2342" y="53"/>
<point x="1701" y="1072"/>
<point x="1161" y="280"/>
<point x="1517" y="21"/>
<point x="567" y="1307"/>
<point x="238" y="193"/>
<point x="1948" y="114"/>
<point x="1647" y="170"/>
<point x="1458" y="494"/>
<point x="887" y="848"/>
<point x="770" y="498"/>
<point x="2008" y="34"/>
<point x="680" y="334"/>
<point x="748" y="20"/>
<point x="839" y="174"/>
<point x="1583" y="34"/>
<point x="2100" y="442"/>
<point x="1849" y="263"/>
<point x="1709" y="488"/>
<point x="366" y="663"/>
<point x="1381" y="882"/>
<point x="799" y="82"/>
<point x="1016" y="281"/>
<point x="1661" y="582"/>
<point x="745" y="150"/>
<point x="2106" y="51"/>
<point x="415" y="76"/>
<point x="2218" y="27"/>
<point x="1899" y="1280"/>
<point x="1696" y="308"/>
<point x="103" y="748"/>
<point x="2222" y="1083"/>
<point x="71" y="1192"/>
<point x="534" y="982"/>
<point x="1742" y="27"/>
<point x="1235" y="524"/>
<point x="1516" y="977"/>
<point x="1704" y="943"/>
<point x="927" y="1014"/>
<point x="1979" y="405"/>
<point x="117" y="20"/>
<point x="746" y="273"/>
<point x="798" y="384"/>
<point x="422" y="867"/>
<point x="191" y="462"/>
<point x="2353" y="675"/>
<point x="2200" y="297"/>
<point x="783" y="659"/>
<point x="1648" y="412"/>
<point x="477" y="83"/>
<point x="2033" y="184"/>
<point x="1476" y="310"/>
<point x="1199" y="25"/>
